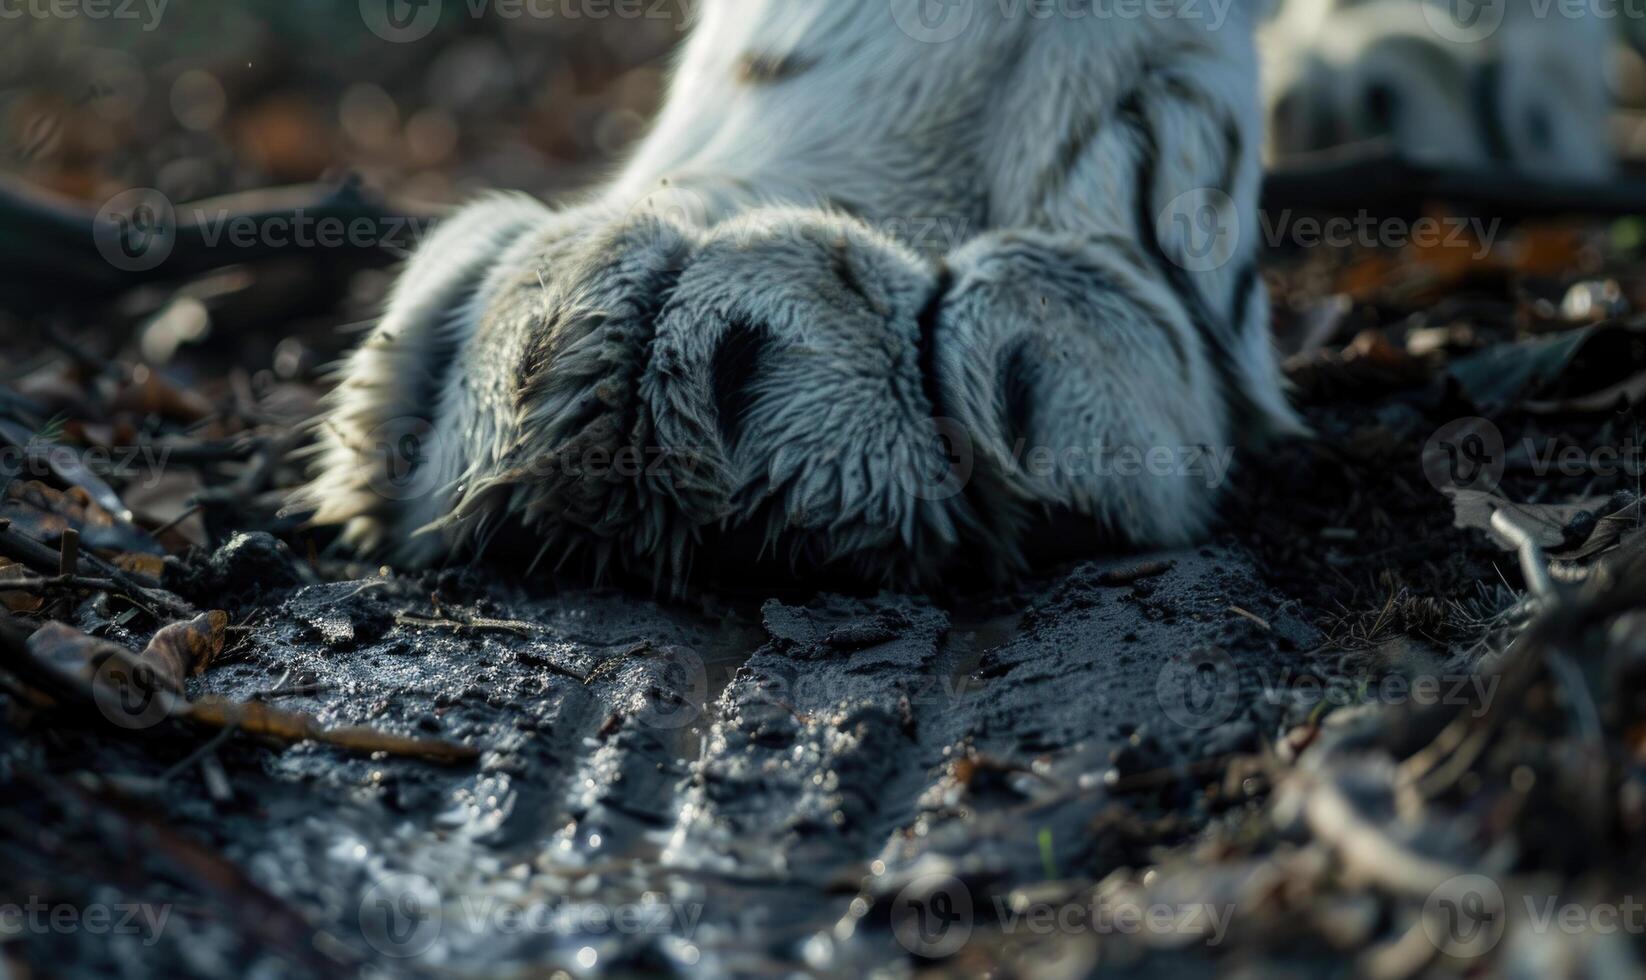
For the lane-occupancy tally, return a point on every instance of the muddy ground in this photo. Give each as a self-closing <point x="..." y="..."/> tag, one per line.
<point x="1359" y="731"/>
<point x="1129" y="764"/>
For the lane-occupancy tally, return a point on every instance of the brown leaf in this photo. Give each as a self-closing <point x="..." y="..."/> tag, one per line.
<point x="1548" y="250"/>
<point x="135" y="692"/>
<point x="17" y="601"/>
<point x="148" y="566"/>
<point x="128" y="691"/>
<point x="66" y="464"/>
<point x="44" y="513"/>
<point x="151" y="394"/>
<point x="1546" y="523"/>
<point x="186" y="649"/>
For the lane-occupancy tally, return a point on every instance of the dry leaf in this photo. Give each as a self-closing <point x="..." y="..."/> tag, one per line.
<point x="1546" y="523"/>
<point x="16" y="601"/>
<point x="44" y="513"/>
<point x="186" y="649"/>
<point x="128" y="691"/>
<point x="151" y="394"/>
<point x="137" y="692"/>
<point x="148" y="566"/>
<point x="1548" y="250"/>
<point x="66" y="464"/>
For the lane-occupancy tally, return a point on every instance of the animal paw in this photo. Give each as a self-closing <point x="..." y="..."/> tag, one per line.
<point x="642" y="390"/>
<point x="1083" y="388"/>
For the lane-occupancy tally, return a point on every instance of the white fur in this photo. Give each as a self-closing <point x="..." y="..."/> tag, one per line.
<point x="769" y="253"/>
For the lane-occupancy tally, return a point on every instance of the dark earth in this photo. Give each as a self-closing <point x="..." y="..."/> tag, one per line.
<point x="1358" y="732"/>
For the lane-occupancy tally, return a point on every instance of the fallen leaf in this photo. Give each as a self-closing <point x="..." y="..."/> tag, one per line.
<point x="1546" y="523"/>
<point x="151" y="394"/>
<point x="1498" y="376"/>
<point x="66" y="464"/>
<point x="17" y="601"/>
<point x="1630" y="390"/>
<point x="138" y="692"/>
<point x="186" y="649"/>
<point x="1609" y="532"/>
<point x="148" y="566"/>
<point x="1589" y="361"/>
<point x="129" y="691"/>
<point x="44" y="513"/>
<point x="1549" y="251"/>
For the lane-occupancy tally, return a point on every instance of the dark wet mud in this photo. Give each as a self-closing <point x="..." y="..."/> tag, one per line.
<point x="720" y="790"/>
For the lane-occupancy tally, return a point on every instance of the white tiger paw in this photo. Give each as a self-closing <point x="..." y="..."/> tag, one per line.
<point x="511" y="319"/>
<point x="790" y="363"/>
<point x="642" y="391"/>
<point x="1080" y="381"/>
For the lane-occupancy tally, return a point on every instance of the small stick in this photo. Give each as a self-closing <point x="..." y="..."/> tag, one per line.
<point x="68" y="562"/>
<point x="1254" y="617"/>
<point x="192" y="510"/>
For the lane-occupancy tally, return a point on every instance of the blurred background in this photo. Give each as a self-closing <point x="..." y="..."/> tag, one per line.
<point x="206" y="98"/>
<point x="218" y="97"/>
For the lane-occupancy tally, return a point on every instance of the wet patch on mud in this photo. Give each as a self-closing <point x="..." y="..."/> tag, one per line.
<point x="722" y="788"/>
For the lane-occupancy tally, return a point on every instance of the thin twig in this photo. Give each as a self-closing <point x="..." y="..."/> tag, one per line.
<point x="1532" y="563"/>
